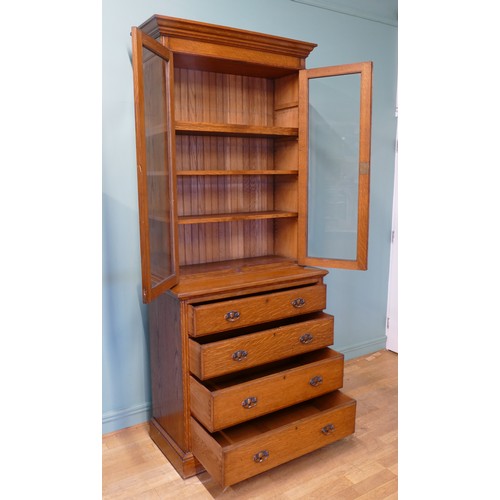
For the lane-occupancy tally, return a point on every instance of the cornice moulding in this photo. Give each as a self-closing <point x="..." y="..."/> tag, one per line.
<point x="210" y="33"/>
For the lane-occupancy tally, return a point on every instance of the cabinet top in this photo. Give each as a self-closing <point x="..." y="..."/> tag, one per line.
<point x="198" y="32"/>
<point x="240" y="277"/>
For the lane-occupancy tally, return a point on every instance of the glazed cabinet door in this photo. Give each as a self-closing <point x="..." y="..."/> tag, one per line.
<point x="334" y="147"/>
<point x="155" y="146"/>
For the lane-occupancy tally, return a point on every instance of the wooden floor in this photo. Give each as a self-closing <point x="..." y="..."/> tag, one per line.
<point x="363" y="466"/>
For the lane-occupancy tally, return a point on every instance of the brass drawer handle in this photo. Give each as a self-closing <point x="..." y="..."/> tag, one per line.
<point x="240" y="355"/>
<point x="232" y="316"/>
<point x="328" y="429"/>
<point x="261" y="456"/>
<point x="317" y="380"/>
<point x="307" y="338"/>
<point x="250" y="402"/>
<point x="300" y="302"/>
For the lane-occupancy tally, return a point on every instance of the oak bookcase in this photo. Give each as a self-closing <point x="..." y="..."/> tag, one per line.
<point x="242" y="375"/>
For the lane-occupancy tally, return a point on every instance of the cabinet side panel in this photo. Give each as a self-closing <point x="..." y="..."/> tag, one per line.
<point x="286" y="198"/>
<point x="286" y="194"/>
<point x="286" y="155"/>
<point x="286" y="101"/>
<point x="207" y="451"/>
<point x="285" y="232"/>
<point x="286" y="91"/>
<point x="166" y="355"/>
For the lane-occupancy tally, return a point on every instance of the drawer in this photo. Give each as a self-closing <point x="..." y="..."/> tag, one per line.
<point x="212" y="359"/>
<point x="248" y="449"/>
<point x="228" y="401"/>
<point x="226" y="315"/>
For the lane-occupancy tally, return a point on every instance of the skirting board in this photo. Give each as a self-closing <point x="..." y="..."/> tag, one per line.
<point x="363" y="348"/>
<point x="116" y="420"/>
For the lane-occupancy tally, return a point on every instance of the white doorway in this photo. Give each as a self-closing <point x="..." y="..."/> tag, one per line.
<point x="391" y="327"/>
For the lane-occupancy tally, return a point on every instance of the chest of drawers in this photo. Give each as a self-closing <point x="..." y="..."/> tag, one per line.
<point x="242" y="375"/>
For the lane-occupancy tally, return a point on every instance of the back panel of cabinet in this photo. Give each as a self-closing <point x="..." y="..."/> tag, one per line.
<point x="236" y="164"/>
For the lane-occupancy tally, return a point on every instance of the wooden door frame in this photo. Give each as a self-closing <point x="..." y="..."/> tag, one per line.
<point x="365" y="69"/>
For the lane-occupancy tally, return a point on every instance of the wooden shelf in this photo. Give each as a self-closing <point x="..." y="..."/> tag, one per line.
<point x="235" y="172"/>
<point x="204" y="173"/>
<point x="200" y="128"/>
<point x="203" y="219"/>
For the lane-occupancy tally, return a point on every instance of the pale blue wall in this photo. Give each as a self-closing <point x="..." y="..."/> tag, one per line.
<point x="357" y="299"/>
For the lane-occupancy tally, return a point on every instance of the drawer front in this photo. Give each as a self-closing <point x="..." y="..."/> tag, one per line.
<point x="243" y="451"/>
<point x="231" y="314"/>
<point x="218" y="406"/>
<point x="227" y="356"/>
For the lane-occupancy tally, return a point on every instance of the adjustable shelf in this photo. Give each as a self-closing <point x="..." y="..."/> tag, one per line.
<point x="222" y="129"/>
<point x="188" y="173"/>
<point x="203" y="219"/>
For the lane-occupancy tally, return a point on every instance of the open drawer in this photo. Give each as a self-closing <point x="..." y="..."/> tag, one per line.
<point x="213" y="358"/>
<point x="248" y="449"/>
<point x="220" y="316"/>
<point x="230" y="400"/>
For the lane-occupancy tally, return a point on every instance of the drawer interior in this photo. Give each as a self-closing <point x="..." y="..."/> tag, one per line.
<point x="272" y="422"/>
<point x="261" y="294"/>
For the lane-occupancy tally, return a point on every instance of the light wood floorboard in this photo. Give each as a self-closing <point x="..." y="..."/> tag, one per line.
<point x="363" y="466"/>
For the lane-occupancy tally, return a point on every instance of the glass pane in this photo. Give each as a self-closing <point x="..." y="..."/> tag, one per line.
<point x="334" y="104"/>
<point x="156" y="82"/>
